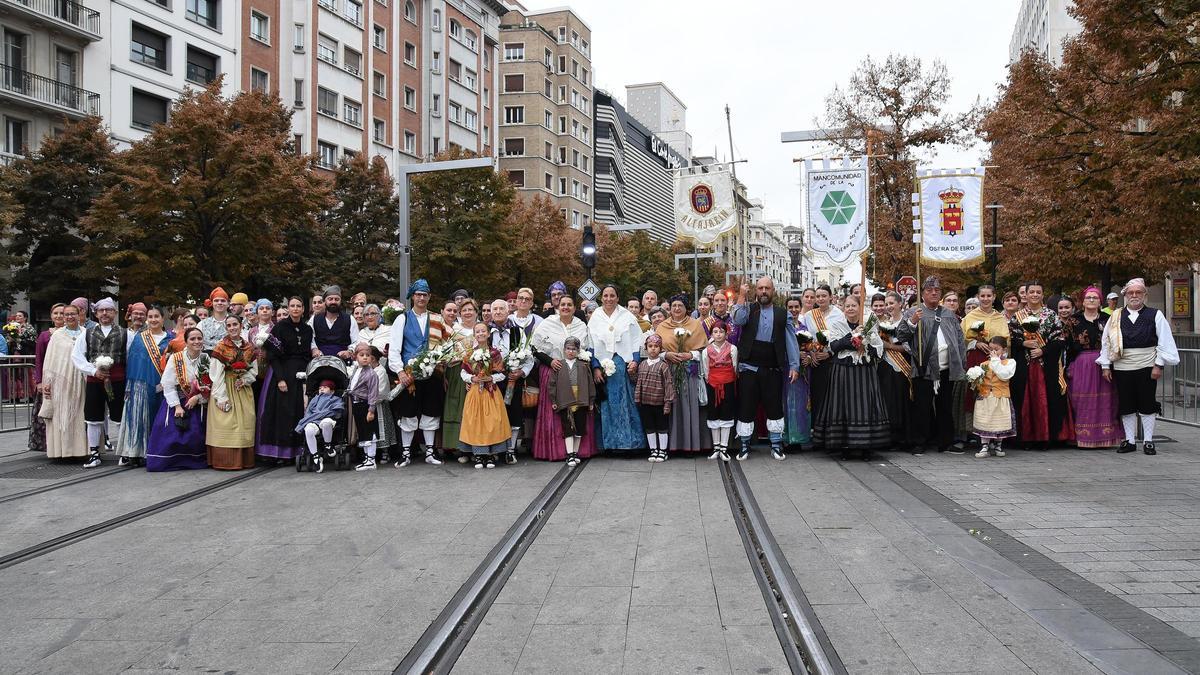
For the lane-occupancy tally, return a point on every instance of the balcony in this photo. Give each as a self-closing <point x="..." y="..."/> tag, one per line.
<point x="70" y="16"/>
<point x="42" y="92"/>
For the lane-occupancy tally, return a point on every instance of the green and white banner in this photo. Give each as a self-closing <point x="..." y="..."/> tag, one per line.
<point x="837" y="208"/>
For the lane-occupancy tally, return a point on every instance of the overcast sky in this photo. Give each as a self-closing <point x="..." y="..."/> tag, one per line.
<point x="774" y="62"/>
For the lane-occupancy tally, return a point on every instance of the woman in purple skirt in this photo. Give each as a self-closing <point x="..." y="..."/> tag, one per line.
<point x="177" y="434"/>
<point x="1093" y="399"/>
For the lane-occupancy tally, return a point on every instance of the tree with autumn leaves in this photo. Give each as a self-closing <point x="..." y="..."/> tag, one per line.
<point x="1098" y="160"/>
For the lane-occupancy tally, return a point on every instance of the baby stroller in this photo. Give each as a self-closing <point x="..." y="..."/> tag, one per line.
<point x="340" y="450"/>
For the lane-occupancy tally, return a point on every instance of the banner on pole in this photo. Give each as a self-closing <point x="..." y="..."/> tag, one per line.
<point x="951" y="217"/>
<point x="838" y="208"/>
<point x="704" y="204"/>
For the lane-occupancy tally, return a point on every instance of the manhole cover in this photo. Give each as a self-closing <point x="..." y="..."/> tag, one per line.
<point x="46" y="471"/>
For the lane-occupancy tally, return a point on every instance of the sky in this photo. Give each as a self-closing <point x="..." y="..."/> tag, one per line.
<point x="774" y="62"/>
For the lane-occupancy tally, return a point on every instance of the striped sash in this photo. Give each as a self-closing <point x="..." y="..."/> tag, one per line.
<point x="153" y="350"/>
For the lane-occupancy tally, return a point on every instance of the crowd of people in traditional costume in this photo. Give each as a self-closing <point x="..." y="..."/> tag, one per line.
<point x="482" y="381"/>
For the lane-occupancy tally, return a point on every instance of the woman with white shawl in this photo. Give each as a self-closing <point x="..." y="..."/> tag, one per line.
<point x="854" y="415"/>
<point x="62" y="401"/>
<point x="616" y="349"/>
<point x="548" y="339"/>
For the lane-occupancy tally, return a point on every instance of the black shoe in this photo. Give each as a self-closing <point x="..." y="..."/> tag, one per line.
<point x="1148" y="448"/>
<point x="1126" y="446"/>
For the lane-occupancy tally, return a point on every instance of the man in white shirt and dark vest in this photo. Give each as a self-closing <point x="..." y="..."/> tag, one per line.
<point x="107" y="343"/>
<point x="767" y="350"/>
<point x="419" y="403"/>
<point x="1137" y="345"/>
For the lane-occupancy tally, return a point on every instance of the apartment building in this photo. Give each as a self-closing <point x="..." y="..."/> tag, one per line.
<point x="546" y="123"/>
<point x="769" y="254"/>
<point x="1043" y="25"/>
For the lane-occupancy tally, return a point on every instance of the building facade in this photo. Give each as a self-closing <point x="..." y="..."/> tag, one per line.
<point x="769" y="253"/>
<point x="41" y="75"/>
<point x="1042" y="25"/>
<point x="635" y="179"/>
<point x="545" y="109"/>
<point x="662" y="112"/>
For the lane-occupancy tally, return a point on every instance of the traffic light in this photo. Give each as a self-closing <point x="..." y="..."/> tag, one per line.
<point x="587" y="249"/>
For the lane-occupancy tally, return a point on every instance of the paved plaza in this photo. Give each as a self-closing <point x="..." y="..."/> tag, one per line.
<point x="1054" y="562"/>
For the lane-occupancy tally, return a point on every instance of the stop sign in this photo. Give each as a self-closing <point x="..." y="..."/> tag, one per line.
<point x="906" y="286"/>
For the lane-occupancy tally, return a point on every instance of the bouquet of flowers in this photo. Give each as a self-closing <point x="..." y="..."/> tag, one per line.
<point x="679" y="370"/>
<point x="888" y="329"/>
<point x="260" y="338"/>
<point x="822" y="339"/>
<point x="804" y="338"/>
<point x="515" y="359"/>
<point x="203" y="380"/>
<point x="480" y="363"/>
<point x="975" y="375"/>
<point x="103" y="363"/>
<point x="239" y="368"/>
<point x="422" y="365"/>
<point x="585" y="356"/>
<point x="389" y="315"/>
<point x="978" y="330"/>
<point x="858" y="339"/>
<point x="609" y="367"/>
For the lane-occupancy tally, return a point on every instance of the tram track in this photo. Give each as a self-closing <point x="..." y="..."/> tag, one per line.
<point x="90" y="531"/>
<point x="90" y="475"/>
<point x="803" y="639"/>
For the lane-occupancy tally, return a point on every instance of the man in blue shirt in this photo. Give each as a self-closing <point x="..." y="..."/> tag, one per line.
<point x="765" y="348"/>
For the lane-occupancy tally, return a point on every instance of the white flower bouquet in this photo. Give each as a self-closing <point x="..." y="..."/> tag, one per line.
<point x="609" y="367"/>
<point x="975" y="375"/>
<point x="104" y="363"/>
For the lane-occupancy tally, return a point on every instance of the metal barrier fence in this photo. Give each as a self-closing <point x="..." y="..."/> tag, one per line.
<point x="1179" y="389"/>
<point x="16" y="392"/>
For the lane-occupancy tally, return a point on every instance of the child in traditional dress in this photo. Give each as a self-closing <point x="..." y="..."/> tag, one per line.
<point x="364" y="397"/>
<point x="321" y="415"/>
<point x="654" y="393"/>
<point x="994" y="419"/>
<point x="485" y="432"/>
<point x="385" y="424"/>
<point x="572" y="396"/>
<point x="718" y="367"/>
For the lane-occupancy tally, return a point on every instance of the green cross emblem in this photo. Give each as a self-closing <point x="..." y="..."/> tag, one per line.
<point x="838" y="207"/>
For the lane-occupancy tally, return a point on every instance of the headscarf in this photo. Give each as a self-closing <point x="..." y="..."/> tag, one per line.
<point x="263" y="302"/>
<point x="106" y="303"/>
<point x="556" y="286"/>
<point x="217" y="292"/>
<point x="931" y="281"/>
<point x="460" y="293"/>
<point x="1091" y="289"/>
<point x="1138" y="281"/>
<point x="681" y="297"/>
<point x="239" y="298"/>
<point x="418" y="286"/>
<point x="135" y="306"/>
<point x="331" y="289"/>
<point x="510" y="296"/>
<point x="82" y="305"/>
<point x="710" y="290"/>
<point x="654" y="338"/>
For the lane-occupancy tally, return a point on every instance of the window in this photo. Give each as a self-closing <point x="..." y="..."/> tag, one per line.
<point x="298" y="94"/>
<point x="454" y="70"/>
<point x="514" y="147"/>
<point x="517" y="178"/>
<point x="583" y="104"/>
<point x="549" y="152"/>
<point x="562" y="154"/>
<point x="327" y="49"/>
<point x="260" y="27"/>
<point x="437" y="145"/>
<point x="562" y="34"/>
<point x="437" y="19"/>
<point x="471" y="120"/>
<point x="330" y="5"/>
<point x="410" y="11"/>
<point x="575" y="158"/>
<point x="548" y="59"/>
<point x="487" y="59"/>
<point x="379" y="84"/>
<point x="575" y="219"/>
<point x="562" y="186"/>
<point x="469" y="79"/>
<point x="203" y="12"/>
<point x="410" y="53"/>
<point x="584" y="78"/>
<point x="470" y="39"/>
<point x="379" y="130"/>
<point x="352" y="112"/>
<point x="148" y="47"/>
<point x="574" y="127"/>
<point x="584" y="46"/>
<point x="410" y="98"/>
<point x="562" y="93"/>
<point x="353" y="61"/>
<point x="326" y="155"/>
<point x="574" y="68"/>
<point x="514" y="114"/>
<point x="575" y="189"/>
<point x="548" y="90"/>
<point x="298" y="38"/>
<point x="354" y="12"/>
<point x="260" y="81"/>
<point x="548" y="120"/>
<point x="327" y="102"/>
<point x="562" y="125"/>
<point x="148" y="110"/>
<point x="514" y="83"/>
<point x="575" y="97"/>
<point x="514" y="51"/>
<point x="201" y="66"/>
<point x="437" y="105"/>
<point x="585" y="162"/>
<point x="487" y="135"/>
<point x="455" y="29"/>
<point x="436" y="67"/>
<point x="410" y="142"/>
<point x="549" y="182"/>
<point x="455" y="112"/>
<point x="575" y="38"/>
<point x="379" y="37"/>
<point x="562" y="64"/>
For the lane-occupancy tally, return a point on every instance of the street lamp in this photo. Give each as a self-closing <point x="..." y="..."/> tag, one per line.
<point x="587" y="250"/>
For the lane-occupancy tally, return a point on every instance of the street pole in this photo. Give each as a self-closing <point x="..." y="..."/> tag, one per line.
<point x="995" y="209"/>
<point x="695" y="275"/>
<point x="745" y="252"/>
